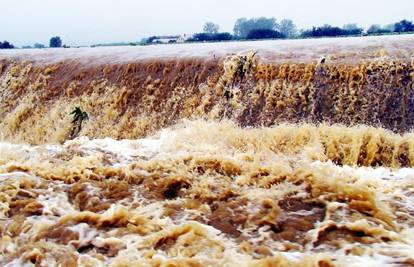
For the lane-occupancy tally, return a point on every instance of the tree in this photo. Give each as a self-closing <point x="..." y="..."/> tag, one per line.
<point x="324" y="31"/>
<point x="352" y="29"/>
<point x="287" y="28"/>
<point x="404" y="26"/>
<point x="6" y="45"/>
<point x="243" y="26"/>
<point x="389" y="27"/>
<point x="240" y="27"/>
<point x="211" y="28"/>
<point x="55" y="42"/>
<point x="264" y="34"/>
<point x="376" y="29"/>
<point x="38" y="45"/>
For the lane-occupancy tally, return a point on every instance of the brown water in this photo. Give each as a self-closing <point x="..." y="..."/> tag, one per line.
<point x="131" y="99"/>
<point x="242" y="159"/>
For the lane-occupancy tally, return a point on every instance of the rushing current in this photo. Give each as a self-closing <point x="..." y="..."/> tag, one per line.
<point x="275" y="153"/>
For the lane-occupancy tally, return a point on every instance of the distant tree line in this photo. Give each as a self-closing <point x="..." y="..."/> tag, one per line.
<point x="53" y="42"/>
<point x="206" y="37"/>
<point x="36" y="45"/>
<point x="248" y="29"/>
<point x="270" y="28"/>
<point x="331" y="31"/>
<point x="256" y="29"/>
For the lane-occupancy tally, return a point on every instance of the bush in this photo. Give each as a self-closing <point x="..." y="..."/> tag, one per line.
<point x="223" y="36"/>
<point x="264" y="34"/>
<point x="6" y="45"/>
<point x="331" y="31"/>
<point x="208" y="37"/>
<point x="38" y="45"/>
<point x="324" y="31"/>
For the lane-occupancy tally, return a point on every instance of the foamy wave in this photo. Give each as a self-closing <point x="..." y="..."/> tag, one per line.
<point x="198" y="194"/>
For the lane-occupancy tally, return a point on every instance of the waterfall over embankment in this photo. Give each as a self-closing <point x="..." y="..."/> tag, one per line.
<point x="130" y="92"/>
<point x="248" y="154"/>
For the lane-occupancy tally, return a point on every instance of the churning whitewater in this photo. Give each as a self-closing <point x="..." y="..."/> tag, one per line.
<point x="277" y="153"/>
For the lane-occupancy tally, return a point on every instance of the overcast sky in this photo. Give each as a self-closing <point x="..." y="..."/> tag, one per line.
<point x="85" y="22"/>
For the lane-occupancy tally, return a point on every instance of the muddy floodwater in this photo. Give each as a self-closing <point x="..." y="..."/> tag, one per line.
<point x="274" y="153"/>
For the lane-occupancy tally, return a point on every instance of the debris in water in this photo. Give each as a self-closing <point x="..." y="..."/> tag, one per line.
<point x="78" y="117"/>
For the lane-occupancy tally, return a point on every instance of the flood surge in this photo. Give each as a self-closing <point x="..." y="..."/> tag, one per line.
<point x="276" y="153"/>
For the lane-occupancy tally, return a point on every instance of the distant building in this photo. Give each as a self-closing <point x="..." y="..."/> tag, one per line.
<point x="169" y="39"/>
<point x="164" y="39"/>
<point x="184" y="38"/>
